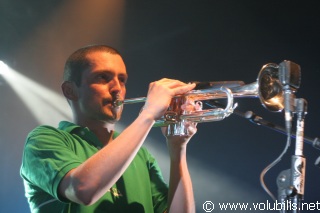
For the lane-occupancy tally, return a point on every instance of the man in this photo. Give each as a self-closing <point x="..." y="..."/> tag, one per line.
<point x="85" y="166"/>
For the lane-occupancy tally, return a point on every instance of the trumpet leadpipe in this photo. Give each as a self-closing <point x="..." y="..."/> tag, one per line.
<point x="134" y="100"/>
<point x="119" y="102"/>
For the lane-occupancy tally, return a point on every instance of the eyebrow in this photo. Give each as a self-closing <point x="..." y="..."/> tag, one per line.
<point x="97" y="72"/>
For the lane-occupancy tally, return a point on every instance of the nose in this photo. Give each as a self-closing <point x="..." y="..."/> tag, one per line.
<point x="115" y="87"/>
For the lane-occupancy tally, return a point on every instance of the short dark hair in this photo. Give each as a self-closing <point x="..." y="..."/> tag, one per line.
<point x="78" y="62"/>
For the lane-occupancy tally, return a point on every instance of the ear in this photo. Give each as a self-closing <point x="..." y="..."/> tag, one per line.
<point x="69" y="90"/>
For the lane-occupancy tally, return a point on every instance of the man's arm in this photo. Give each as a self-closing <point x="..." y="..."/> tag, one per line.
<point x="180" y="198"/>
<point x="92" y="179"/>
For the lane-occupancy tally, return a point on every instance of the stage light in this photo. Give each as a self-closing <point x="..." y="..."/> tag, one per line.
<point x="3" y="68"/>
<point x="47" y="106"/>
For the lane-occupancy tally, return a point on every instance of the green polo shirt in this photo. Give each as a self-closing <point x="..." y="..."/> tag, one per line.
<point x="50" y="153"/>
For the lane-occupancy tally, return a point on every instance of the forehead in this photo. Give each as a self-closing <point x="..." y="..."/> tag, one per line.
<point x="104" y="61"/>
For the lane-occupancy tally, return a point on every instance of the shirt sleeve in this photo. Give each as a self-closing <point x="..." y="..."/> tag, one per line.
<point x="47" y="158"/>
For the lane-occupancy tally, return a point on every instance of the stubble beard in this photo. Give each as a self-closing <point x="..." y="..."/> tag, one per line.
<point x="109" y="112"/>
<point x="113" y="115"/>
<point x="117" y="112"/>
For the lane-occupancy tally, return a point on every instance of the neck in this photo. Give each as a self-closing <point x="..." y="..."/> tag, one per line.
<point x="103" y="130"/>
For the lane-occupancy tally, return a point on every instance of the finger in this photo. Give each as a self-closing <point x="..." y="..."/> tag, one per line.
<point x="171" y="83"/>
<point x="192" y="127"/>
<point x="183" y="89"/>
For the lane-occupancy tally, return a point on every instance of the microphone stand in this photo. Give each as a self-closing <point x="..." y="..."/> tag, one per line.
<point x="291" y="181"/>
<point x="298" y="161"/>
<point x="253" y="118"/>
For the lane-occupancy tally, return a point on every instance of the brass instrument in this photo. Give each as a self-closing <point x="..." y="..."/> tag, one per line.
<point x="267" y="88"/>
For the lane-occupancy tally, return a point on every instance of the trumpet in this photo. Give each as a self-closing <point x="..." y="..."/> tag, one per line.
<point x="188" y="107"/>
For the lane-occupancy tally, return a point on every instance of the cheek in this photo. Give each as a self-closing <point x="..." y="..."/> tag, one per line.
<point x="96" y="91"/>
<point x="124" y="91"/>
<point x="90" y="96"/>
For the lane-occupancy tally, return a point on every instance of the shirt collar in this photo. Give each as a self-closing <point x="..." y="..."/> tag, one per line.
<point x="83" y="132"/>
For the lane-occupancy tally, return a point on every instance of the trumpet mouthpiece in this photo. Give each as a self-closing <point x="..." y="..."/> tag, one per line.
<point x="117" y="103"/>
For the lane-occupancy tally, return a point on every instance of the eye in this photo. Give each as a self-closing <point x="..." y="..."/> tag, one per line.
<point x="123" y="79"/>
<point x="103" y="78"/>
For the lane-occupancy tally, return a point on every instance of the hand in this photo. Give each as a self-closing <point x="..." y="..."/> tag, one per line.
<point x="160" y="94"/>
<point x="177" y="144"/>
<point x="191" y="128"/>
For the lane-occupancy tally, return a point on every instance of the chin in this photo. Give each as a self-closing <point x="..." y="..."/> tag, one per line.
<point x="111" y="116"/>
<point x="112" y="119"/>
<point x="117" y="118"/>
<point x="117" y="114"/>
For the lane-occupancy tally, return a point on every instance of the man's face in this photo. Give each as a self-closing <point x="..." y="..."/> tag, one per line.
<point x="100" y="86"/>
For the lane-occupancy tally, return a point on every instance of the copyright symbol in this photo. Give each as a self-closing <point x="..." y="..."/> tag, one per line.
<point x="208" y="206"/>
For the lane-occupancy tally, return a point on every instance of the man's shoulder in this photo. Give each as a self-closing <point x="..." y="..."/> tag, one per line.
<point x="64" y="127"/>
<point x="43" y="129"/>
<point x="44" y="132"/>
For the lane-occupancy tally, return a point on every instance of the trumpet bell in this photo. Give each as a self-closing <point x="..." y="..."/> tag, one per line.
<point x="270" y="90"/>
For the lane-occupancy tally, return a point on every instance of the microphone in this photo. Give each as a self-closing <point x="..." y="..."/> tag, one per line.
<point x="289" y="76"/>
<point x="251" y="116"/>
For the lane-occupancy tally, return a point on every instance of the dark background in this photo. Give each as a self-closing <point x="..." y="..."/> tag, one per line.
<point x="188" y="40"/>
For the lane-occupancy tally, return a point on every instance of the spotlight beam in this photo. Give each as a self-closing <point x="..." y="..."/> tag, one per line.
<point x="47" y="106"/>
